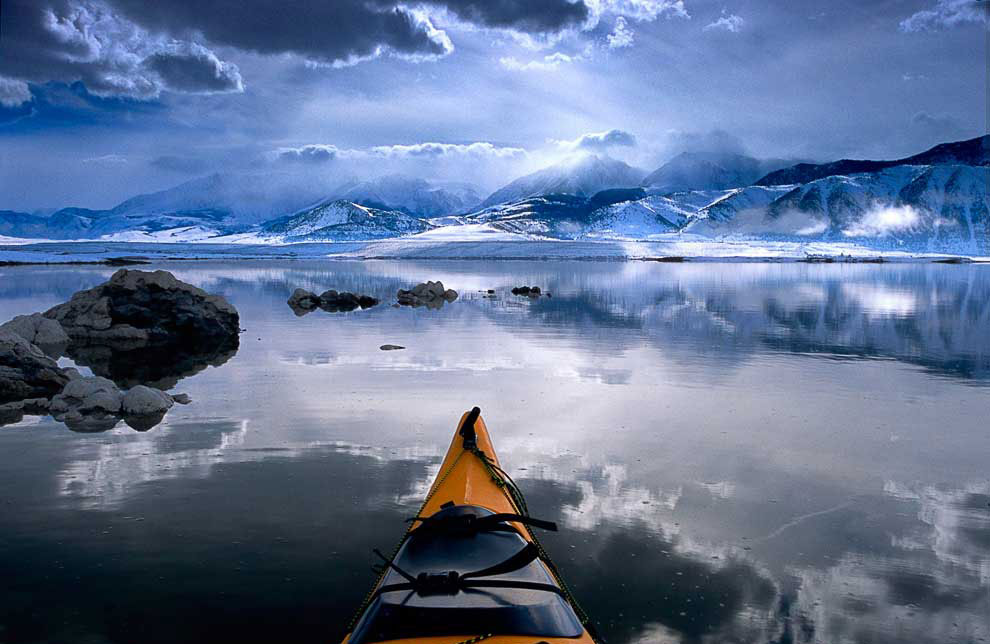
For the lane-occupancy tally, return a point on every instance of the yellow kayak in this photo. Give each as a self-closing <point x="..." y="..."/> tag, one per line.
<point x="469" y="568"/>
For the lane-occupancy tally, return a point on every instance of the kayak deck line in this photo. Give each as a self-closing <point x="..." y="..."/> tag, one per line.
<point x="474" y="518"/>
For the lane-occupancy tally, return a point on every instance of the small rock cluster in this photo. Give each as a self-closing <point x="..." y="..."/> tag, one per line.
<point x="528" y="291"/>
<point x="429" y="294"/>
<point x="302" y="301"/>
<point x="96" y="404"/>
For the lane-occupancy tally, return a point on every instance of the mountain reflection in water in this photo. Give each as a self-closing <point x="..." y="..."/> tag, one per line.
<point x="734" y="452"/>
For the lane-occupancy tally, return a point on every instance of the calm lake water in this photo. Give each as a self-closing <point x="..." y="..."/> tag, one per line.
<point x="734" y="453"/>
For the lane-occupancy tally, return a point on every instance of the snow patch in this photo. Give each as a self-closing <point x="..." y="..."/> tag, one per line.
<point x="885" y="221"/>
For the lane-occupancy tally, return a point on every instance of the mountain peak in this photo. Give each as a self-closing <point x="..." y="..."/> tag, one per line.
<point x="581" y="175"/>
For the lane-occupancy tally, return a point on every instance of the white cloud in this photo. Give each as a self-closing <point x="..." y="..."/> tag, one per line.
<point x="884" y="221"/>
<point x="319" y="153"/>
<point x="549" y="63"/>
<point x="727" y="22"/>
<point x="946" y="14"/>
<point x="621" y="36"/>
<point x="13" y="92"/>
<point x="107" y="160"/>
<point x="478" y="149"/>
<point x="640" y="10"/>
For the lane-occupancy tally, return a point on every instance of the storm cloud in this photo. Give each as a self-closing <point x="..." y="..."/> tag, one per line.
<point x="85" y="41"/>
<point x="346" y="31"/>
<point x="479" y="91"/>
<point x="195" y="69"/>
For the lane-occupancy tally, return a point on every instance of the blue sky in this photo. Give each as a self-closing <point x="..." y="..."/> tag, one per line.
<point x="102" y="99"/>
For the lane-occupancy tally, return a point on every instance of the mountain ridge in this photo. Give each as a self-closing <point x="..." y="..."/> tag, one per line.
<point x="975" y="151"/>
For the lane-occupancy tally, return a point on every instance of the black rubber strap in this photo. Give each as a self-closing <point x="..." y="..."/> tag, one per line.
<point x="481" y="583"/>
<point x="473" y="523"/>
<point x="519" y="560"/>
<point x="504" y="517"/>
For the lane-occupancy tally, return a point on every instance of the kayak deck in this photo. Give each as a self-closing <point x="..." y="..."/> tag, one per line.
<point x="469" y="568"/>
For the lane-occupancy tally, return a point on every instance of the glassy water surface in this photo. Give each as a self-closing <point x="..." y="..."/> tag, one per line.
<point x="734" y="452"/>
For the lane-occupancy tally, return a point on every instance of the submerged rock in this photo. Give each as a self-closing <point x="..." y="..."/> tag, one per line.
<point x="25" y="371"/>
<point x="14" y="412"/>
<point x="145" y="401"/>
<point x="333" y="302"/>
<point x="391" y="347"/>
<point x="302" y="301"/>
<point x="528" y="291"/>
<point x="430" y="294"/>
<point x="87" y="395"/>
<point x="95" y="404"/>
<point x="143" y="307"/>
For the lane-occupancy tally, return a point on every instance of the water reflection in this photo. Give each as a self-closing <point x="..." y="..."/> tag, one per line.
<point x="158" y="366"/>
<point x="736" y="453"/>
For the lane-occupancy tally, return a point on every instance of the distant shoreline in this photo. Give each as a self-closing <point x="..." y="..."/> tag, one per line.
<point x="673" y="251"/>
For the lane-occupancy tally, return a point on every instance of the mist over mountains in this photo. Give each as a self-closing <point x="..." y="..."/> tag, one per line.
<point x="934" y="200"/>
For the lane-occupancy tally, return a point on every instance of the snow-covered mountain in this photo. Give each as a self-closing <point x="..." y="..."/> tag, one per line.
<point x="554" y="216"/>
<point x="557" y="216"/>
<point x="216" y="203"/>
<point x="412" y="195"/>
<point x="22" y="224"/>
<point x="975" y="152"/>
<point x="706" y="171"/>
<point x="938" y="207"/>
<point x="236" y="200"/>
<point x="710" y="218"/>
<point x="339" y="220"/>
<point x="642" y="218"/>
<point x="81" y="223"/>
<point x="580" y="176"/>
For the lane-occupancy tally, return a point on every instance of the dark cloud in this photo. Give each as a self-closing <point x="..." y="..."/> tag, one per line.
<point x="179" y="165"/>
<point x="521" y="15"/>
<point x="84" y="41"/>
<point x="605" y="140"/>
<point x="330" y="32"/>
<point x="344" y="31"/>
<point x="195" y="70"/>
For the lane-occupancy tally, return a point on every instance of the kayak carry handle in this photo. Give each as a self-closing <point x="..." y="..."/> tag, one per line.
<point x="467" y="429"/>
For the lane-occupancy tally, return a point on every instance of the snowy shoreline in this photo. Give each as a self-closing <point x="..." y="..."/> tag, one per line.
<point x="672" y="250"/>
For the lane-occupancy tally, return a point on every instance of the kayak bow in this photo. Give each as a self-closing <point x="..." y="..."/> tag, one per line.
<point x="470" y="569"/>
